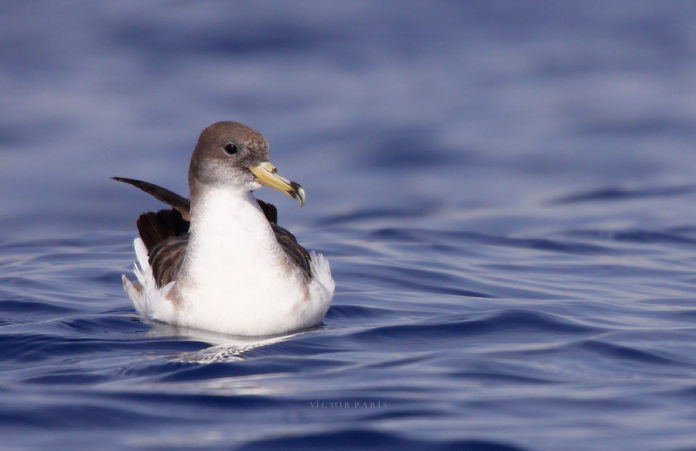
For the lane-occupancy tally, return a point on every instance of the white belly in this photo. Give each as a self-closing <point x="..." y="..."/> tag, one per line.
<point x="236" y="277"/>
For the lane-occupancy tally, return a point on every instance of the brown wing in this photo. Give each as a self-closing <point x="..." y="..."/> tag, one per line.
<point x="269" y="210"/>
<point x="166" y="257"/>
<point x="165" y="233"/>
<point x="298" y="254"/>
<point x="181" y="204"/>
<point x="157" y="227"/>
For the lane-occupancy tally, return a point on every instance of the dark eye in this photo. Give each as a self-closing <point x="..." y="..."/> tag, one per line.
<point x="230" y="148"/>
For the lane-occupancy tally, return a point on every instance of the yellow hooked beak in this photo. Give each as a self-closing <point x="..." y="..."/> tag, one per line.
<point x="266" y="174"/>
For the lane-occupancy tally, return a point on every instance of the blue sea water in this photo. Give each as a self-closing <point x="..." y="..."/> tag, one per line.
<point x="505" y="190"/>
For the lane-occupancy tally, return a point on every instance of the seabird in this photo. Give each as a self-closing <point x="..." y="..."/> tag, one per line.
<point x="219" y="261"/>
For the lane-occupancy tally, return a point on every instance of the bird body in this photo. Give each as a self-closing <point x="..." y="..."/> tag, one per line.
<point x="234" y="270"/>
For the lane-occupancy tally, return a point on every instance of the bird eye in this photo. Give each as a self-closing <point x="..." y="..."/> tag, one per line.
<point x="230" y="148"/>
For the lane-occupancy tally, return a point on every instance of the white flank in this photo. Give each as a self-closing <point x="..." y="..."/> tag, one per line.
<point x="148" y="300"/>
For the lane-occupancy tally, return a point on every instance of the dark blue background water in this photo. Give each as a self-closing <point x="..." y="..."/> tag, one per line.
<point x="505" y="191"/>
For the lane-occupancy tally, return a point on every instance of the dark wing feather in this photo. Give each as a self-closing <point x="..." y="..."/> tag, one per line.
<point x="297" y="254"/>
<point x="157" y="227"/>
<point x="269" y="210"/>
<point x="165" y="233"/>
<point x="172" y="199"/>
<point x="166" y="257"/>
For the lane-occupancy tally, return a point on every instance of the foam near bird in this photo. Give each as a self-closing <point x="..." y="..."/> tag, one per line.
<point x="219" y="261"/>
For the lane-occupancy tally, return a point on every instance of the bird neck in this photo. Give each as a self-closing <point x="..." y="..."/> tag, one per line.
<point x="226" y="213"/>
<point x="229" y="231"/>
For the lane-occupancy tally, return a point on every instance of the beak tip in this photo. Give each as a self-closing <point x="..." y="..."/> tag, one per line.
<point x="301" y="196"/>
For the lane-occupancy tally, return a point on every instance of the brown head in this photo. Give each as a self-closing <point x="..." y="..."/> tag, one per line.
<point x="232" y="154"/>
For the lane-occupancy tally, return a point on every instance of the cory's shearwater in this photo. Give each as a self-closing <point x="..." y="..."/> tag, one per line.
<point x="219" y="261"/>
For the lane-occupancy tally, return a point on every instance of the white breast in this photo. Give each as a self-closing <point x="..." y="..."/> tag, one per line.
<point x="236" y="278"/>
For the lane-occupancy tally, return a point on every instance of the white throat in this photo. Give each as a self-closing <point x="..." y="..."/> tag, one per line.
<point x="232" y="240"/>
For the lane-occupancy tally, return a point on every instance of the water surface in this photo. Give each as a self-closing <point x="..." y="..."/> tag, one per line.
<point x="504" y="190"/>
